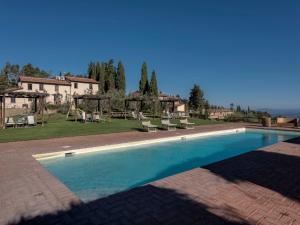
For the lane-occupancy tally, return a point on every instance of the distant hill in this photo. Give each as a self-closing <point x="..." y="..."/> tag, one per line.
<point x="282" y="112"/>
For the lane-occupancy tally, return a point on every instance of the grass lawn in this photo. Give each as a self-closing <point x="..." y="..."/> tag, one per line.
<point x="58" y="126"/>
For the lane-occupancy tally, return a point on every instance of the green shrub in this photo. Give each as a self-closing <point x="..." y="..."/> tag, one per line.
<point x="61" y="108"/>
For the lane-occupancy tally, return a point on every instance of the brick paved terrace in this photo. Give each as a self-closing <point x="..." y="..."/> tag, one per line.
<point x="259" y="187"/>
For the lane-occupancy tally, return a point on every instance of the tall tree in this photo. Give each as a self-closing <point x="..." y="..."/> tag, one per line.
<point x="144" y="85"/>
<point x="9" y="75"/>
<point x="105" y="74"/>
<point x="109" y="78"/>
<point x="196" y="100"/>
<point x="30" y="70"/>
<point x="101" y="71"/>
<point x="120" y="82"/>
<point x="153" y="90"/>
<point x="206" y="107"/>
<point x="98" y="70"/>
<point x="3" y="82"/>
<point x="92" y="70"/>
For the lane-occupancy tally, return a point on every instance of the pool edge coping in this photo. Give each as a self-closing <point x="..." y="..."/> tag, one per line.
<point x="59" y="154"/>
<point x="100" y="148"/>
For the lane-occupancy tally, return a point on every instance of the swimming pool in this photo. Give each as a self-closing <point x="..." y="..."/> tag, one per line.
<point x="99" y="174"/>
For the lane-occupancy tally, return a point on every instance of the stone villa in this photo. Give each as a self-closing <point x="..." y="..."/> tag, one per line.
<point x="60" y="89"/>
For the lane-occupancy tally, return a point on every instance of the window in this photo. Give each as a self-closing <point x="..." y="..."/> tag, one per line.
<point x="41" y="87"/>
<point x="25" y="106"/>
<point x="12" y="100"/>
<point x="91" y="86"/>
<point x="57" y="98"/>
<point x="29" y="99"/>
<point x="56" y="88"/>
<point x="75" y="85"/>
<point x="29" y="86"/>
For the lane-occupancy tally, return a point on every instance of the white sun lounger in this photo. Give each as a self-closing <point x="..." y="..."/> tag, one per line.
<point x="142" y="117"/>
<point x="148" y="126"/>
<point x="167" y="115"/>
<point x="96" y="117"/>
<point x="89" y="117"/>
<point x="186" y="124"/>
<point x="21" y="121"/>
<point x="134" y="116"/>
<point x="31" y="120"/>
<point x="10" y="122"/>
<point x="166" y="124"/>
<point x="82" y="116"/>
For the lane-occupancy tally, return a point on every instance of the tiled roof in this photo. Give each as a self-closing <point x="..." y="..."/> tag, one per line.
<point x="67" y="80"/>
<point x="81" y="79"/>
<point x="43" y="80"/>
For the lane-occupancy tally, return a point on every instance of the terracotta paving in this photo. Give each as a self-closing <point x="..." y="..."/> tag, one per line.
<point x="259" y="187"/>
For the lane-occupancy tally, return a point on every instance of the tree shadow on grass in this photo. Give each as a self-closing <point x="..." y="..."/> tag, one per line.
<point x="143" y="205"/>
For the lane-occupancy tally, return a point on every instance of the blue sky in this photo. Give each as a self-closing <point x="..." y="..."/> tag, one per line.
<point x="246" y="52"/>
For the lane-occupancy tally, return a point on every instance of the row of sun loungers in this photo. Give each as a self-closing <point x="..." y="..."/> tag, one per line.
<point x="139" y="116"/>
<point x="20" y="121"/>
<point x="88" y="117"/>
<point x="166" y="124"/>
<point x="95" y="117"/>
<point x="168" y="115"/>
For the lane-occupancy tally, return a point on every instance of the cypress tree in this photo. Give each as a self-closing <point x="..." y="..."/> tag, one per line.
<point x="144" y="85"/>
<point x="206" y="107"/>
<point x="196" y="98"/>
<point x="120" y="81"/>
<point x="92" y="70"/>
<point x="153" y="90"/>
<point x="106" y="78"/>
<point x="97" y="71"/>
<point x="89" y="70"/>
<point x="101" y="77"/>
<point x="109" y="76"/>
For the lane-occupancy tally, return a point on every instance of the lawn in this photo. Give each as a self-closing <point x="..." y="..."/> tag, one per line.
<point x="58" y="126"/>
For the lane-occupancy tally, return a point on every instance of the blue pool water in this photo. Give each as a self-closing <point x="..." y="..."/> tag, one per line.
<point x="99" y="174"/>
